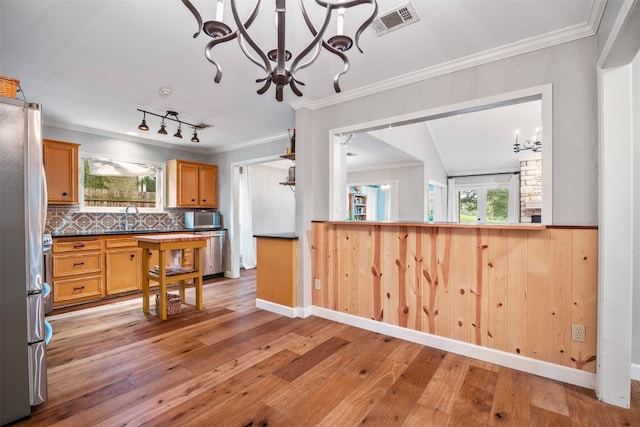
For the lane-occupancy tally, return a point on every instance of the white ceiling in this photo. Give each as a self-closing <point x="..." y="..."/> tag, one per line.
<point x="93" y="63"/>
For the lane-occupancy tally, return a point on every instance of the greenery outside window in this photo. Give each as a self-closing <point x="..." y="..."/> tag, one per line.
<point x="483" y="203"/>
<point x="110" y="185"/>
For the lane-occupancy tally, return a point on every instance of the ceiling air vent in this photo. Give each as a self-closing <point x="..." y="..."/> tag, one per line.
<point x="397" y="18"/>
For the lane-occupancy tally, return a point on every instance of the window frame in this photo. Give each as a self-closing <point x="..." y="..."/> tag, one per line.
<point x="160" y="184"/>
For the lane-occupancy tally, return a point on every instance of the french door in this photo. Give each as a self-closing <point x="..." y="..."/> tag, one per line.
<point x="483" y="203"/>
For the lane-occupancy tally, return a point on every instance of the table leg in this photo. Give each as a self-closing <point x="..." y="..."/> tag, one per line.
<point x="197" y="281"/>
<point x="162" y="289"/>
<point x="145" y="280"/>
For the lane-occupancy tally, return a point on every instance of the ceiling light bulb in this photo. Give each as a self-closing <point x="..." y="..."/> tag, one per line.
<point x="195" y="137"/>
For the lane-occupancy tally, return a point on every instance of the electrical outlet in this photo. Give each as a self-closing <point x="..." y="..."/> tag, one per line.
<point x="317" y="283"/>
<point x="578" y="333"/>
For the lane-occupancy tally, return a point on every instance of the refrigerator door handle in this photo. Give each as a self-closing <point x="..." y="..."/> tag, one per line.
<point x="45" y="199"/>
<point x="35" y="318"/>
<point x="37" y="373"/>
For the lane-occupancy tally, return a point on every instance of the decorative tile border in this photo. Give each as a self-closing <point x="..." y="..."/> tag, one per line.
<point x="69" y="220"/>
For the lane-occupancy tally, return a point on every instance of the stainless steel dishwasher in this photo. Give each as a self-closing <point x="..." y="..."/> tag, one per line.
<point x="213" y="253"/>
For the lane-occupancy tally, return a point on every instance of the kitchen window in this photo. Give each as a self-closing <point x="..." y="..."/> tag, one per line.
<point x="110" y="185"/>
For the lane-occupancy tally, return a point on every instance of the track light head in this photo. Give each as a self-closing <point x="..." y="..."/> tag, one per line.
<point x="178" y="134"/>
<point x="143" y="125"/>
<point x="163" y="128"/>
<point x="194" y="138"/>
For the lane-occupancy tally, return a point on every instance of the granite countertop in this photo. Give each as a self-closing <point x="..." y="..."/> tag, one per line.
<point x="289" y="236"/>
<point x="128" y="232"/>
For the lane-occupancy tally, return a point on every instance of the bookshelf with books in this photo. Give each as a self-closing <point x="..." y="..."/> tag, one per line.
<point x="357" y="206"/>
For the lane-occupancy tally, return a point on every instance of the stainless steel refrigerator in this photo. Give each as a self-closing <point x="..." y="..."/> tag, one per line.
<point x="23" y="332"/>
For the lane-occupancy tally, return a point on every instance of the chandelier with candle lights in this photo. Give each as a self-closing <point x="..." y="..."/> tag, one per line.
<point x="280" y="74"/>
<point x="534" y="144"/>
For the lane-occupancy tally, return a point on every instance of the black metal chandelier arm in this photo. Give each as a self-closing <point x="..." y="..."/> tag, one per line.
<point x="208" y="55"/>
<point x="366" y="23"/>
<point x="197" y="15"/>
<point x="347" y="5"/>
<point x="317" y="39"/>
<point x="345" y="60"/>
<point x="244" y="36"/>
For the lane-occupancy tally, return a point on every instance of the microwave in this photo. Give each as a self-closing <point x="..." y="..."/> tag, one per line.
<point x="203" y="219"/>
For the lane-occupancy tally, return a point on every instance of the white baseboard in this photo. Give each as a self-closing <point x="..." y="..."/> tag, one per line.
<point x="521" y="363"/>
<point x="283" y="310"/>
<point x="635" y="372"/>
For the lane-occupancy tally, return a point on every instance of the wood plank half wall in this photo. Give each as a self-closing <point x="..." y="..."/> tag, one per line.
<point x="514" y="290"/>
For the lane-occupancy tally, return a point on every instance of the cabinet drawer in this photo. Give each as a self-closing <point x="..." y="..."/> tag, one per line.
<point x="70" y="289"/>
<point x="77" y="264"/>
<point x="77" y="245"/>
<point x="121" y="242"/>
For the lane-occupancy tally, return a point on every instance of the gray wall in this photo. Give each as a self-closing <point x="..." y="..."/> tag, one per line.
<point x="570" y="68"/>
<point x="635" y="328"/>
<point x="273" y="205"/>
<point x="130" y="149"/>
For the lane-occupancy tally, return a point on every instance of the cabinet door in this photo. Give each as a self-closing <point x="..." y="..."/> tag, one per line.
<point x="208" y="186"/>
<point x="61" y="170"/>
<point x="123" y="270"/>
<point x="187" y="184"/>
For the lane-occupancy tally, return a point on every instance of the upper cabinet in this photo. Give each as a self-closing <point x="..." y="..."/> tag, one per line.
<point x="191" y="185"/>
<point x="61" y="170"/>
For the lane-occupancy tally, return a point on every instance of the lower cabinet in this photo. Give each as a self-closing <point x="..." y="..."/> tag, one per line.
<point x="77" y="270"/>
<point x="90" y="268"/>
<point x="122" y="271"/>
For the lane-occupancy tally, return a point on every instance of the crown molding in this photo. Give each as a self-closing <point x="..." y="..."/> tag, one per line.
<point x="520" y="47"/>
<point x="252" y="143"/>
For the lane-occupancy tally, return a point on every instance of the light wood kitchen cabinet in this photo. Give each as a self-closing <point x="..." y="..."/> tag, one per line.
<point x="77" y="270"/>
<point x="123" y="260"/>
<point x="61" y="170"/>
<point x="94" y="267"/>
<point x="191" y="184"/>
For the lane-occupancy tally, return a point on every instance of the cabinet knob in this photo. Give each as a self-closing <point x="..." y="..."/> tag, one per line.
<point x="193" y="200"/>
<point x="204" y="200"/>
<point x="64" y="194"/>
<point x="132" y="256"/>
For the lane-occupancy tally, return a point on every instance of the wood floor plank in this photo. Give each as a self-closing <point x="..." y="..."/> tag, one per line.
<point x="232" y="364"/>
<point x="549" y="395"/>
<point x="441" y="392"/>
<point x="474" y="401"/>
<point x="511" y="401"/>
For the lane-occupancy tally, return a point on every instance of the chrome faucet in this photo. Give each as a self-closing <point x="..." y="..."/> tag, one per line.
<point x="127" y="226"/>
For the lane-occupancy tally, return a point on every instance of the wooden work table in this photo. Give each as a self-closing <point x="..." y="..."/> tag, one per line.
<point x="163" y="243"/>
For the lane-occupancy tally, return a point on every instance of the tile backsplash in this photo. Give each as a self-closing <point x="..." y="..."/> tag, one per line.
<point x="69" y="220"/>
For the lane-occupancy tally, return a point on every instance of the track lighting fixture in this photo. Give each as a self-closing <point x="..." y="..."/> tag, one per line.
<point x="173" y="116"/>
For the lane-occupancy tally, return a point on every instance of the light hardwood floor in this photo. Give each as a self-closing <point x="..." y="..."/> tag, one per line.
<point x="234" y="365"/>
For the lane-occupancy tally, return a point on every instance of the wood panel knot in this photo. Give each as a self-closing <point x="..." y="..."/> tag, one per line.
<point x="490" y="264"/>
<point x="388" y="295"/>
<point x="490" y="334"/>
<point x="405" y="310"/>
<point x="460" y="323"/>
<point x="375" y="271"/>
<point x="427" y="276"/>
<point x="461" y="291"/>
